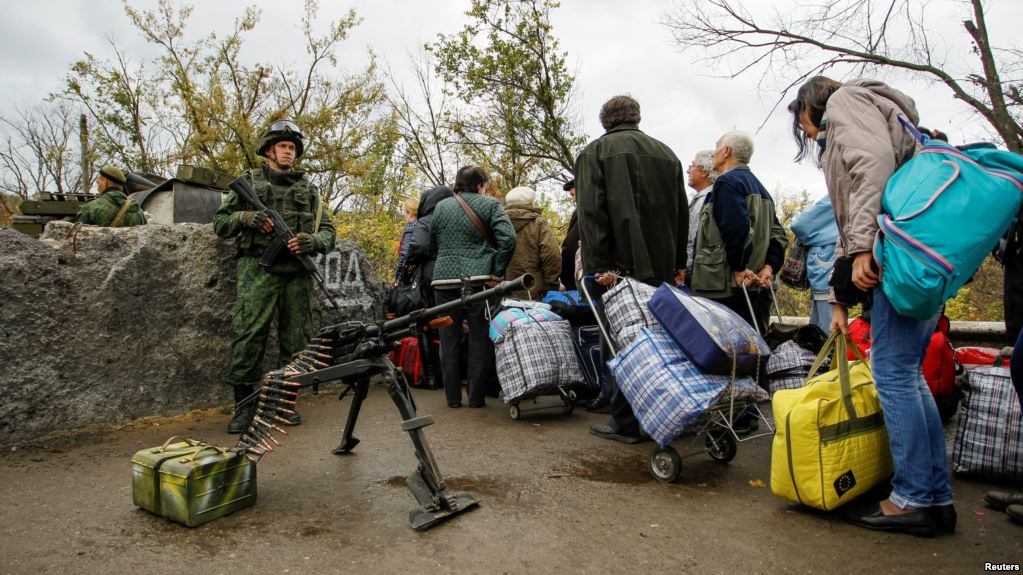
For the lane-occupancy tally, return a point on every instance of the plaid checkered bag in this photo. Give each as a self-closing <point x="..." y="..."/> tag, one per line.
<point x="534" y="357"/>
<point x="789" y="365"/>
<point x="668" y="392"/>
<point x="626" y="307"/>
<point x="988" y="441"/>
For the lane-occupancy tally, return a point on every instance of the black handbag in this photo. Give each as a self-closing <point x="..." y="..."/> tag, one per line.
<point x="406" y="298"/>
<point x="846" y="292"/>
<point x="793" y="271"/>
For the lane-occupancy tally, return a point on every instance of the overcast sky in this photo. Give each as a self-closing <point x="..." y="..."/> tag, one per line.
<point x="615" y="47"/>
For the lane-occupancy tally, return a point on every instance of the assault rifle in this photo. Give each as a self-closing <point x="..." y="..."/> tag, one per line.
<point x="242" y="187"/>
<point x="353" y="353"/>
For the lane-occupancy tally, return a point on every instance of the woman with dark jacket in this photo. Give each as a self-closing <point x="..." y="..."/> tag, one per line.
<point x="482" y="256"/>
<point x="421" y="254"/>
<point x="861" y="141"/>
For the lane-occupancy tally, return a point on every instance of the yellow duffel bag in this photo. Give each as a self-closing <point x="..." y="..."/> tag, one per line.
<point x="831" y="444"/>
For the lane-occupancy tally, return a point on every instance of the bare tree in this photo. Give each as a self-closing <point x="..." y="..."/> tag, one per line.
<point x="423" y="119"/>
<point x="40" y="151"/>
<point x="865" y="34"/>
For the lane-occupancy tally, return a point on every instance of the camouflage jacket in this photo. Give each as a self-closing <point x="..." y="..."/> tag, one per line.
<point x="295" y="199"/>
<point x="103" y="210"/>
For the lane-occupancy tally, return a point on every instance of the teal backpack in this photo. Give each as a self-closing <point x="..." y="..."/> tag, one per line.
<point x="942" y="212"/>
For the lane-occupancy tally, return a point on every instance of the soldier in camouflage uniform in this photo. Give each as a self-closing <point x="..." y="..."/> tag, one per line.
<point x="284" y="287"/>
<point x="112" y="208"/>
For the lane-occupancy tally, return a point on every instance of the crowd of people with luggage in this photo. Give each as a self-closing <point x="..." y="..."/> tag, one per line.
<point x="636" y="223"/>
<point x="699" y="272"/>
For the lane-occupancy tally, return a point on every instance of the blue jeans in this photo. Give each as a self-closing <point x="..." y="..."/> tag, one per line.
<point x="915" y="434"/>
<point x="820" y="312"/>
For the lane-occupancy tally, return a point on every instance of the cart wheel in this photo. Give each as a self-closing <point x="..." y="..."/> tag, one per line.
<point x="568" y="404"/>
<point x="665" y="465"/>
<point x="513" y="411"/>
<point x="721" y="445"/>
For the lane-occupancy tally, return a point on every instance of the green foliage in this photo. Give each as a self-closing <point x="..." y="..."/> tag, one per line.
<point x="507" y="67"/>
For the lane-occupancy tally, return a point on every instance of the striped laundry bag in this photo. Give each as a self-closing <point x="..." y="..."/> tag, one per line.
<point x="989" y="441"/>
<point x="534" y="357"/>
<point x="789" y="365"/>
<point x="627" y="312"/>
<point x="668" y="392"/>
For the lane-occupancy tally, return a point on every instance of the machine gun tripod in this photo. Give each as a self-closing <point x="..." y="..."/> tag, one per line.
<point x="354" y="353"/>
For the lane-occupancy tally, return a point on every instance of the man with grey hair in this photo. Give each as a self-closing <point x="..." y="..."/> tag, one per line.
<point x="740" y="241"/>
<point x="701" y="179"/>
<point x="633" y="221"/>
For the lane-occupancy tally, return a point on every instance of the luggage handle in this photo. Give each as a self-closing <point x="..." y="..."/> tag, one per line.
<point x="191" y="442"/>
<point x="838" y="342"/>
<point x="191" y="458"/>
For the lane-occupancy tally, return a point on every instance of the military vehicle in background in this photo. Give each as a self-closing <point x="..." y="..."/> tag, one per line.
<point x="49" y="206"/>
<point x="192" y="196"/>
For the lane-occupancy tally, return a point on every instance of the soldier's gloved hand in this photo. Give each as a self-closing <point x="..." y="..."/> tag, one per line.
<point x="303" y="243"/>
<point x="254" y="220"/>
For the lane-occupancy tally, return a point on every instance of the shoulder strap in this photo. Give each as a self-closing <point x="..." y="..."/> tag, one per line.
<point x="319" y="212"/>
<point x="912" y="130"/>
<point x="476" y="221"/>
<point x="124" y="209"/>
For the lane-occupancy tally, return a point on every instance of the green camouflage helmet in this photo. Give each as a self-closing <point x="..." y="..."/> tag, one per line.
<point x="280" y="131"/>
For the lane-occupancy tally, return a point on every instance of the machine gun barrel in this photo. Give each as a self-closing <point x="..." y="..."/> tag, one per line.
<point x="400" y="324"/>
<point x="137" y="183"/>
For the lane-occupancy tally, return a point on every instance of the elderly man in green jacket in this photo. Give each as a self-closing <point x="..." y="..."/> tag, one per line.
<point x="112" y="208"/>
<point x="633" y="221"/>
<point x="473" y="238"/>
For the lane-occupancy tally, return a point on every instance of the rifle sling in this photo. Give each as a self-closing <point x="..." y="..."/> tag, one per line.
<point x="476" y="222"/>
<point x="120" y="214"/>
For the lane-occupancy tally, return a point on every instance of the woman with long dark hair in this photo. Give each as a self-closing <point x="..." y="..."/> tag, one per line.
<point x="861" y="142"/>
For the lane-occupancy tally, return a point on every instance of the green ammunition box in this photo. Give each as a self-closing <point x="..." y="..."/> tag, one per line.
<point x="145" y="466"/>
<point x="207" y="484"/>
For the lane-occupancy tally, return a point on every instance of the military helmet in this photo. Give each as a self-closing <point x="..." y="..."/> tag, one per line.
<point x="280" y="131"/>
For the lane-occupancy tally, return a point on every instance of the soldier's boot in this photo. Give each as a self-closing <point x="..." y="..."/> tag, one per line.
<point x="292" y="418"/>
<point x="243" y="412"/>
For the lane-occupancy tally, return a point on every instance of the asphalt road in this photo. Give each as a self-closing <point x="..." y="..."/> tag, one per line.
<point x="554" y="499"/>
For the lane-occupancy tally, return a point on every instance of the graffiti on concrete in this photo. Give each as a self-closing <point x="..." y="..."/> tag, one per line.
<point x="344" y="282"/>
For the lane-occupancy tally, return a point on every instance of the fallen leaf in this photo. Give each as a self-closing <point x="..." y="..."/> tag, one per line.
<point x="758" y="483"/>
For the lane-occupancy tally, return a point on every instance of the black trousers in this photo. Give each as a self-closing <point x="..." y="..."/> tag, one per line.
<point x="761" y="301"/>
<point x="482" y="369"/>
<point x="623" y="419"/>
<point x="1013" y="297"/>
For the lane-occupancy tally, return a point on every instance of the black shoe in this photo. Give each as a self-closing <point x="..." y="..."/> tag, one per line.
<point x="1015" y="513"/>
<point x="1001" y="499"/>
<point x="746" y="424"/>
<point x="920" y="522"/>
<point x="244" y="410"/>
<point x="599" y="404"/>
<point x="292" y="418"/>
<point x="477" y="405"/>
<point x="945" y="516"/>
<point x="607" y="432"/>
<point x="455" y="405"/>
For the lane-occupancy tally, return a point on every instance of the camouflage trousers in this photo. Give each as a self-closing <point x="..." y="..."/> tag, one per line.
<point x="260" y="295"/>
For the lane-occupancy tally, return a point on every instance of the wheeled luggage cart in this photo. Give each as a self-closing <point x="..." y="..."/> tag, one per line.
<point x="560" y="397"/>
<point x="714" y="428"/>
<point x="534" y="402"/>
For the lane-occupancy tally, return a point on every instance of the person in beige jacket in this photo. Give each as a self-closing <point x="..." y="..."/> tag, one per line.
<point x="862" y="143"/>
<point x="536" y="250"/>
